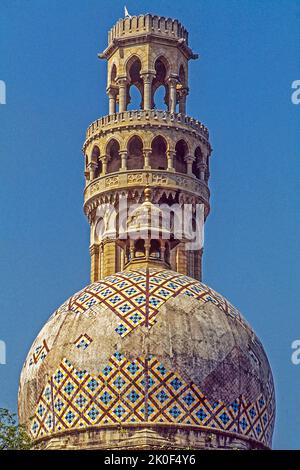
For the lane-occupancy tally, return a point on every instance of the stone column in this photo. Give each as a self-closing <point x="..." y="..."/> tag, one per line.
<point x="170" y="157"/>
<point x="112" y="95"/>
<point x="202" y="168"/>
<point x="147" y="155"/>
<point x="104" y="160"/>
<point x="172" y="95"/>
<point x="122" y="82"/>
<point x="182" y="101"/>
<point x="147" y="249"/>
<point x="93" y="167"/>
<point x="147" y="78"/>
<point x="131" y="249"/>
<point x="123" y="155"/>
<point x="189" y="162"/>
<point x="94" y="252"/>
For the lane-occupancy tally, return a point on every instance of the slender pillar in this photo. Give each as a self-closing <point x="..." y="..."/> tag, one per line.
<point x="147" y="78"/>
<point x="172" y="95"/>
<point x="104" y="160"/>
<point x="122" y="82"/>
<point x="147" y="155"/>
<point x="182" y="101"/>
<point x="112" y="96"/>
<point x="92" y="168"/>
<point x="123" y="155"/>
<point x="170" y="157"/>
<point x="131" y="244"/>
<point x="189" y="163"/>
<point x="147" y="249"/>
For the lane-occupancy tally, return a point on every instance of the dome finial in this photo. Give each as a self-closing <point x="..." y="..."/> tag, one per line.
<point x="126" y="13"/>
<point x="147" y="190"/>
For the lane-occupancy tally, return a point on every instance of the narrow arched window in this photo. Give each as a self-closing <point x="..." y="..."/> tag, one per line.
<point x="113" y="155"/>
<point x="135" y="158"/>
<point x="181" y="149"/>
<point x="159" y="154"/>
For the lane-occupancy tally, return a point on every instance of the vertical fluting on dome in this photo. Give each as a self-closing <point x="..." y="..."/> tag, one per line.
<point x="147" y="141"/>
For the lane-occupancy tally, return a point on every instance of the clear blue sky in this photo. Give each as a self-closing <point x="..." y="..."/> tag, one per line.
<point x="240" y="88"/>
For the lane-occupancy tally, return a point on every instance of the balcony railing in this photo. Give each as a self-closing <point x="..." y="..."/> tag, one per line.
<point x="153" y="115"/>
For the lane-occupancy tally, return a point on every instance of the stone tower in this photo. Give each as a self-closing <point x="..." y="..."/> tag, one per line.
<point x="146" y="356"/>
<point x="163" y="148"/>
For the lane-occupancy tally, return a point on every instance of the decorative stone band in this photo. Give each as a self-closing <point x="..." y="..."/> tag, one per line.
<point x="144" y="117"/>
<point x="142" y="391"/>
<point x="155" y="178"/>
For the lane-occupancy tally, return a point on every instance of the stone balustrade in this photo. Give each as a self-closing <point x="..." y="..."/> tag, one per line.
<point x="143" y="117"/>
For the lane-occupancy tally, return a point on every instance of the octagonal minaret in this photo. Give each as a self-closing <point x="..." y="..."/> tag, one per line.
<point x="129" y="149"/>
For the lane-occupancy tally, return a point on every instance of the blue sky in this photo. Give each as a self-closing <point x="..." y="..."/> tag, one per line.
<point x="240" y="88"/>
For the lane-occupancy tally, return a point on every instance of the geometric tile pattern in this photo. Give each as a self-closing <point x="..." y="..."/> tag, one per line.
<point x="136" y="296"/>
<point x="142" y="390"/>
<point x="83" y="341"/>
<point x="39" y="354"/>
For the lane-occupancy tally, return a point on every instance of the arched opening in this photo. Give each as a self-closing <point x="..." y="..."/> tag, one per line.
<point x="135" y="159"/>
<point x="135" y="87"/>
<point x="134" y="98"/>
<point x="159" y="98"/>
<point x="196" y="162"/>
<point x="114" y="159"/>
<point x="159" y="154"/>
<point x="159" y="87"/>
<point x="181" y="152"/>
<point x="95" y="158"/>
<point x="139" y="248"/>
<point x="155" y="251"/>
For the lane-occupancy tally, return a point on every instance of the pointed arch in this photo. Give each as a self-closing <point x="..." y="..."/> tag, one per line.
<point x="113" y="155"/>
<point x="135" y="158"/>
<point x="181" y="150"/>
<point x="159" y="153"/>
<point x="162" y="69"/>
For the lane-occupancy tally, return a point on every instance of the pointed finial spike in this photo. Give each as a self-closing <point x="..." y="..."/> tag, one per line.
<point x="126" y="13"/>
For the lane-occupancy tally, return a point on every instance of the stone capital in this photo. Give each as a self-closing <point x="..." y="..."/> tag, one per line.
<point x="122" y="81"/>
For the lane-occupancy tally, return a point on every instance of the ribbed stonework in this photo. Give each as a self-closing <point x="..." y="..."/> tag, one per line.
<point x="146" y="356"/>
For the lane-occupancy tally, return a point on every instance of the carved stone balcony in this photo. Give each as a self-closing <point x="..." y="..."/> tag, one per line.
<point x="143" y="119"/>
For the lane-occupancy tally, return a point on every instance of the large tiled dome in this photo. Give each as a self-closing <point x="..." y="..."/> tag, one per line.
<point x="151" y="350"/>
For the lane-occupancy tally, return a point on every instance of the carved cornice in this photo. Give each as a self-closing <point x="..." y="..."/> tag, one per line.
<point x="107" y="189"/>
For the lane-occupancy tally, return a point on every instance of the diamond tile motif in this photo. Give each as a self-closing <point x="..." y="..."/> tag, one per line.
<point x="118" y="394"/>
<point x="83" y="341"/>
<point x="39" y="354"/>
<point x="124" y="293"/>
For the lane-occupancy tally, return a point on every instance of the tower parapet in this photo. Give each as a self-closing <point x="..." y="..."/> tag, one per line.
<point x="145" y="24"/>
